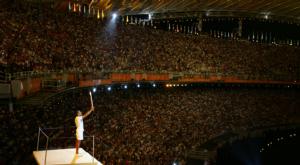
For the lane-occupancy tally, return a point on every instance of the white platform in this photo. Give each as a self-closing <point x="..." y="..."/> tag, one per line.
<point x="64" y="157"/>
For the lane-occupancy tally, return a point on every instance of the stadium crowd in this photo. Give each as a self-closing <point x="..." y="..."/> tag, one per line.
<point x="152" y="126"/>
<point x="149" y="126"/>
<point x="49" y="41"/>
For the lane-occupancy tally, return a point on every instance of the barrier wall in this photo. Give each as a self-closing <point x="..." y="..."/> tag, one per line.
<point x="139" y="76"/>
<point x="158" y="77"/>
<point x="88" y="83"/>
<point x="71" y="77"/>
<point x="28" y="86"/>
<point x="35" y="85"/>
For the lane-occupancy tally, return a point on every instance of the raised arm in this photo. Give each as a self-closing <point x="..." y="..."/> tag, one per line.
<point x="92" y="107"/>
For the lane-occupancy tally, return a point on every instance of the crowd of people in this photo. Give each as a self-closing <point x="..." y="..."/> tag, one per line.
<point x="49" y="41"/>
<point x="152" y="126"/>
<point x="149" y="126"/>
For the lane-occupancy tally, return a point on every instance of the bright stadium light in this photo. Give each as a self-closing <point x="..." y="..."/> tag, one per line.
<point x="94" y="90"/>
<point x="114" y="15"/>
<point x="266" y="17"/>
<point x="149" y="16"/>
<point x="109" y="88"/>
<point x="207" y="13"/>
<point x="154" y="85"/>
<point x="125" y="86"/>
<point x="138" y="85"/>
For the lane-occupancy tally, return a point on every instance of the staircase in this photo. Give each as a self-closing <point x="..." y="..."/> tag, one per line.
<point x="36" y="99"/>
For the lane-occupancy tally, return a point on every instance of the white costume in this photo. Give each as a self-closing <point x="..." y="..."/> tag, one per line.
<point x="79" y="127"/>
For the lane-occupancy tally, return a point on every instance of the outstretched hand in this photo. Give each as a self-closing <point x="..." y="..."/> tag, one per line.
<point x="92" y="106"/>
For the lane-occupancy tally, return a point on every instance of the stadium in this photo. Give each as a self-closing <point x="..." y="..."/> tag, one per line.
<point x="157" y="82"/>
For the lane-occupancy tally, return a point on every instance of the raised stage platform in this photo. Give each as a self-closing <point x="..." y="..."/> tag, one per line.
<point x="64" y="157"/>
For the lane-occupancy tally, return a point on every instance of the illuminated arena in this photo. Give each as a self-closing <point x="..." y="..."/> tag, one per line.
<point x="149" y="82"/>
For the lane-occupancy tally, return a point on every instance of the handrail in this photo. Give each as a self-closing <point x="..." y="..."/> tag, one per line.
<point x="47" y="142"/>
<point x="38" y="141"/>
<point x="49" y="128"/>
<point x="40" y="131"/>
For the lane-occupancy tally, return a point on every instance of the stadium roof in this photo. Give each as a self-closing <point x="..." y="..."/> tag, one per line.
<point x="273" y="8"/>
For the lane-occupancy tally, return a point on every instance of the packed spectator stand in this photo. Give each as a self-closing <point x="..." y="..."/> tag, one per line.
<point x="56" y="41"/>
<point x="151" y="124"/>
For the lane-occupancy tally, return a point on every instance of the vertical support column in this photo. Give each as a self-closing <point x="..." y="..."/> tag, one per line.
<point x="93" y="148"/>
<point x="70" y="6"/>
<point x="45" y="162"/>
<point x="8" y="76"/>
<point x="200" y="24"/>
<point x="10" y="104"/>
<point x="240" y="29"/>
<point x="38" y="141"/>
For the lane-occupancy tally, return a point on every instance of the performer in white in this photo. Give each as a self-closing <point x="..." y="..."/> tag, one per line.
<point x="79" y="124"/>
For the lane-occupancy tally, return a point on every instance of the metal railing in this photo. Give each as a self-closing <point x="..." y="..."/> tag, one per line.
<point x="47" y="142"/>
<point x="48" y="138"/>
